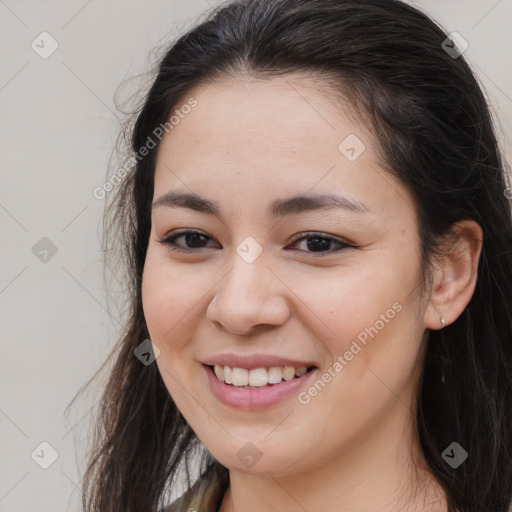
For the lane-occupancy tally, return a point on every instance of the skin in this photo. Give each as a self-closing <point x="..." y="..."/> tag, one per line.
<point x="353" y="446"/>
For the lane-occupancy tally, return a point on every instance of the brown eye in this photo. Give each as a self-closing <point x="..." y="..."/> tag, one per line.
<point x="320" y="243"/>
<point x="193" y="240"/>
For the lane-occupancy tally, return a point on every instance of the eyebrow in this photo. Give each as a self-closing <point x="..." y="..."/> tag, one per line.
<point x="278" y="208"/>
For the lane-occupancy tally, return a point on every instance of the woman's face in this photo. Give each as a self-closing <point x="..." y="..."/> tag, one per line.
<point x="331" y="285"/>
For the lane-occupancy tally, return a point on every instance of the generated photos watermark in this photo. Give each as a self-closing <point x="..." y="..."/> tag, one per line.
<point x="305" y="397"/>
<point x="101" y="192"/>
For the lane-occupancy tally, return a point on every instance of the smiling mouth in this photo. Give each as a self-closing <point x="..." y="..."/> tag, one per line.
<point x="258" y="378"/>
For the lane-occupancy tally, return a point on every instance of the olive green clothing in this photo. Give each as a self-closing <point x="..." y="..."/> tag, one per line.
<point x="205" y="495"/>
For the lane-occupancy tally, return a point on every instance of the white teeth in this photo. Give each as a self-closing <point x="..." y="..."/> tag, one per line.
<point x="288" y="372"/>
<point x="240" y="377"/>
<point x="219" y="371"/>
<point x="227" y="374"/>
<point x="275" y="375"/>
<point x="257" y="377"/>
<point x="301" y="371"/>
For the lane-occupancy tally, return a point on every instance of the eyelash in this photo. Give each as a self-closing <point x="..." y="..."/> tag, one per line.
<point x="169" y="241"/>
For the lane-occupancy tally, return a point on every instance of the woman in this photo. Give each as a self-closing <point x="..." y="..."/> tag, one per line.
<point x="319" y="247"/>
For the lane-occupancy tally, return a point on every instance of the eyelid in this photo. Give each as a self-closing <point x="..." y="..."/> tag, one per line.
<point x="342" y="244"/>
<point x="166" y="240"/>
<point x="319" y="234"/>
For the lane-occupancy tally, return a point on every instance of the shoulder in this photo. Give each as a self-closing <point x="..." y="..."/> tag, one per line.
<point x="175" y="506"/>
<point x="185" y="502"/>
<point x="205" y="495"/>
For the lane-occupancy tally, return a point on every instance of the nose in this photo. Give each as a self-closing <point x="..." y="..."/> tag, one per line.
<point x="248" y="298"/>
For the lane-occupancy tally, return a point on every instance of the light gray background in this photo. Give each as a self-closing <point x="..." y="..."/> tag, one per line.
<point x="57" y="130"/>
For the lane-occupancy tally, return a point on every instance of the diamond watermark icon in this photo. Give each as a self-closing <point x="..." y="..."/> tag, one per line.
<point x="44" y="45"/>
<point x="44" y="455"/>
<point x="147" y="352"/>
<point x="351" y="147"/>
<point x="249" y="249"/>
<point x="249" y="455"/>
<point x="455" y="455"/>
<point x="44" y="250"/>
<point x="455" y="45"/>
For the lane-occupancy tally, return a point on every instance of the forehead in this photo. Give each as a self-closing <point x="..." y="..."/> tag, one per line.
<point x="284" y="114"/>
<point x="288" y="131"/>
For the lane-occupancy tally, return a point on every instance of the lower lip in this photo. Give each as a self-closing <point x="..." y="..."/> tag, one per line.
<point x="253" y="399"/>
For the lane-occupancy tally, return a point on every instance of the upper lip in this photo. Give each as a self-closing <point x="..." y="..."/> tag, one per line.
<point x="254" y="361"/>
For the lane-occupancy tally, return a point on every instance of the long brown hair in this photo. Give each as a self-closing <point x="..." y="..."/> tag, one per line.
<point x="435" y="134"/>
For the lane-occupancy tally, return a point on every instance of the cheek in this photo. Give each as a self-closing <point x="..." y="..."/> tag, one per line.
<point x="345" y="302"/>
<point x="369" y="317"/>
<point x="383" y="336"/>
<point x="169" y="296"/>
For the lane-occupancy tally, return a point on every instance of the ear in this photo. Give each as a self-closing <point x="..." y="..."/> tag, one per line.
<point x="454" y="274"/>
